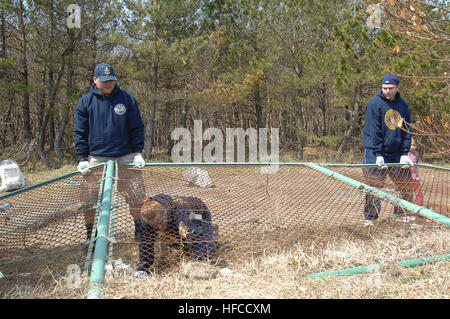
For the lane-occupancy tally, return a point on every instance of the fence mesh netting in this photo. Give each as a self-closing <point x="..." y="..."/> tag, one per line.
<point x="43" y="229"/>
<point x="222" y="214"/>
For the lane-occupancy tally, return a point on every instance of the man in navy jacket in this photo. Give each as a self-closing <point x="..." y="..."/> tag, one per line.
<point x="108" y="122"/>
<point x="108" y="126"/>
<point x="387" y="139"/>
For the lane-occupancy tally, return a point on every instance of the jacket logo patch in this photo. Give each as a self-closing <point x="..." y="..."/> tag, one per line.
<point x="120" y="109"/>
<point x="393" y="119"/>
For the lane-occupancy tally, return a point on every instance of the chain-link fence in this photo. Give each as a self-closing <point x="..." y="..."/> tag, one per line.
<point x="44" y="228"/>
<point x="425" y="185"/>
<point x="222" y="214"/>
<point x="238" y="212"/>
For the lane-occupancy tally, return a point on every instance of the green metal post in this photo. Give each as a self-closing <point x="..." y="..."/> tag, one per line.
<point x="94" y="227"/>
<point x="113" y="210"/>
<point x="101" y="241"/>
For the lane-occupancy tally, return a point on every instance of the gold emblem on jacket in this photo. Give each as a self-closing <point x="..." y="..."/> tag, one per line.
<point x="393" y="119"/>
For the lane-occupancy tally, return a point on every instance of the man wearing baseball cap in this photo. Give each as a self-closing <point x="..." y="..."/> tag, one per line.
<point x="387" y="139"/>
<point x="108" y="126"/>
<point x="108" y="122"/>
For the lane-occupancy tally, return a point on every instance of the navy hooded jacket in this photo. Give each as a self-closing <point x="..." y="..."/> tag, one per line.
<point x="201" y="237"/>
<point x="108" y="125"/>
<point x="382" y="133"/>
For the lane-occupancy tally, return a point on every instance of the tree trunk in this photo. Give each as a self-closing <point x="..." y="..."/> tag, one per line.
<point x="53" y="89"/>
<point x="3" y="32"/>
<point x="8" y="119"/>
<point x="258" y="108"/>
<point x="51" y="131"/>
<point x="42" y="98"/>
<point x="301" y="128"/>
<point x="299" y="113"/>
<point x="154" y="88"/>
<point x="26" y="94"/>
<point x="184" y="110"/>
<point x="354" y="122"/>
<point x="69" y="94"/>
<point x="65" y="116"/>
<point x="167" y="120"/>
<point x="323" y="107"/>
<point x="41" y="142"/>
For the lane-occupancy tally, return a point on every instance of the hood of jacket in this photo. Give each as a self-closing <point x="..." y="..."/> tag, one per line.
<point x="94" y="90"/>
<point x="396" y="97"/>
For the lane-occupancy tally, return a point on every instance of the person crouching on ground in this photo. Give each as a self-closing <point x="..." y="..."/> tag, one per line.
<point x="185" y="218"/>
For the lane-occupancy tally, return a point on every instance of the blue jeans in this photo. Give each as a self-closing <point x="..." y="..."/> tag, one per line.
<point x="375" y="176"/>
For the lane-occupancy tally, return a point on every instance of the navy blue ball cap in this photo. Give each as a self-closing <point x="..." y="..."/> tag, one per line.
<point x="104" y="72"/>
<point x="390" y="79"/>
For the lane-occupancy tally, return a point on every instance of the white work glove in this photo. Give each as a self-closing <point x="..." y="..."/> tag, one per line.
<point x="83" y="167"/>
<point x="404" y="159"/>
<point x="380" y="161"/>
<point x="138" y="161"/>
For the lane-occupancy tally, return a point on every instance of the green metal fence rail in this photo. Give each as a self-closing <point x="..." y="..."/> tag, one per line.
<point x="371" y="268"/>
<point x="49" y="181"/>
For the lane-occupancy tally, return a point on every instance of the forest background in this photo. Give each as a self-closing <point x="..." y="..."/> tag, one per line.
<point x="305" y="67"/>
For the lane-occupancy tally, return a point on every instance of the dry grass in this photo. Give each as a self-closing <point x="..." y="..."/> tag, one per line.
<point x="282" y="275"/>
<point x="40" y="174"/>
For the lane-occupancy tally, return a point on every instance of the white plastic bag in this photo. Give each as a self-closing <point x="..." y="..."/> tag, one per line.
<point x="12" y="177"/>
<point x="198" y="177"/>
<point x="116" y="267"/>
